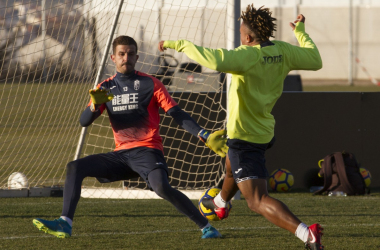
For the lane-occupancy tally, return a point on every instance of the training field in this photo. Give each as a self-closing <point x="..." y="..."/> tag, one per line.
<point x="349" y="222"/>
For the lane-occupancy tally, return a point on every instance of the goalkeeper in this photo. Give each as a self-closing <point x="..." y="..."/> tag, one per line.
<point x="132" y="100"/>
<point x="258" y="67"/>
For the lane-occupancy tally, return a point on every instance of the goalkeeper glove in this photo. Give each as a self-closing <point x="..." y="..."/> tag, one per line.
<point x="100" y="95"/>
<point x="215" y="141"/>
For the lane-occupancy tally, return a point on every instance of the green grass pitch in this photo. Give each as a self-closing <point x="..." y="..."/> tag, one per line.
<point x="349" y="222"/>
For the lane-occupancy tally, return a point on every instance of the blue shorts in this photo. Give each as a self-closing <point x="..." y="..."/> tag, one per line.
<point x="127" y="164"/>
<point x="248" y="159"/>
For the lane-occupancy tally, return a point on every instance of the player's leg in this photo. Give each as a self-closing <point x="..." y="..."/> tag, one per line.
<point x="229" y="189"/>
<point x="105" y="167"/>
<point x="248" y="167"/>
<point x="151" y="165"/>
<point x="159" y="182"/>
<point x="256" y="194"/>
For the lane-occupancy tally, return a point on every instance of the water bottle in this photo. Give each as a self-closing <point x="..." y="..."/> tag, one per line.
<point x="337" y="193"/>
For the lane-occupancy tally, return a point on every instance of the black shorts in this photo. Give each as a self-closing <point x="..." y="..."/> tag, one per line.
<point x="248" y="159"/>
<point x="127" y="164"/>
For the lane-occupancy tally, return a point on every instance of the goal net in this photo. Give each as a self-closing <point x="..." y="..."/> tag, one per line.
<point x="50" y="55"/>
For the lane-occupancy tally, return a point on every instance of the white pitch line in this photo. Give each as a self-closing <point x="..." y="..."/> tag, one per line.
<point x="185" y="230"/>
<point x="135" y="233"/>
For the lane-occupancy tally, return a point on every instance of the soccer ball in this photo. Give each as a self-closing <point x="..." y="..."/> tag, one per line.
<point x="17" y="180"/>
<point x="366" y="176"/>
<point x="208" y="213"/>
<point x="281" y="180"/>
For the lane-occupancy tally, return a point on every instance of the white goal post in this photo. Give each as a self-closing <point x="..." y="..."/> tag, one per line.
<point x="51" y="54"/>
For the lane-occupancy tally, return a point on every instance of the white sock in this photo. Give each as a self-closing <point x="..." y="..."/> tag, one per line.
<point x="302" y="232"/>
<point x="219" y="202"/>
<point x="68" y="220"/>
<point x="208" y="225"/>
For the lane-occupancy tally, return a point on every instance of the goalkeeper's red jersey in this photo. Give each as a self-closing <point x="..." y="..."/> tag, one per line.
<point x="134" y="110"/>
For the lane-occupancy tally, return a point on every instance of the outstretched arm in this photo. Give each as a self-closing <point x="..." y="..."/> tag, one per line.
<point x="183" y="119"/>
<point x="230" y="61"/>
<point x="215" y="141"/>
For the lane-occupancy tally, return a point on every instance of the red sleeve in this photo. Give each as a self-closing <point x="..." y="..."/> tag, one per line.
<point x="162" y="96"/>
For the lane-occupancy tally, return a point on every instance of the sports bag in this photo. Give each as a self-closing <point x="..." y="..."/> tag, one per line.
<point x="341" y="172"/>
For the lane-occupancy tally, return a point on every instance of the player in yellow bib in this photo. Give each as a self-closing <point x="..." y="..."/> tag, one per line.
<point x="258" y="67"/>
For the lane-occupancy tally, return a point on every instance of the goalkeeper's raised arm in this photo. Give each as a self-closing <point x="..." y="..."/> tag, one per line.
<point x="99" y="96"/>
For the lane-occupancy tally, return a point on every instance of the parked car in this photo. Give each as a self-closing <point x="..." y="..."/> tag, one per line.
<point x="187" y="77"/>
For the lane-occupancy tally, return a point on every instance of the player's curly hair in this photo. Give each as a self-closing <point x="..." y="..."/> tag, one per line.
<point x="123" y="40"/>
<point x="259" y="21"/>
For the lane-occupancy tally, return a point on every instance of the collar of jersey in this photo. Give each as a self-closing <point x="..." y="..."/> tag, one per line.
<point x="121" y="76"/>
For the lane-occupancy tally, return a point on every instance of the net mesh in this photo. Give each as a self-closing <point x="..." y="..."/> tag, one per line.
<point x="49" y="57"/>
<point x="197" y="90"/>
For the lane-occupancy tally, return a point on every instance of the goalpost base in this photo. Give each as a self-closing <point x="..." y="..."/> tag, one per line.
<point x="32" y="192"/>
<point x="96" y="193"/>
<point x="118" y="193"/>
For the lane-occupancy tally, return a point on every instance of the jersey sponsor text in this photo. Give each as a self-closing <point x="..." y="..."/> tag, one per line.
<point x="272" y="59"/>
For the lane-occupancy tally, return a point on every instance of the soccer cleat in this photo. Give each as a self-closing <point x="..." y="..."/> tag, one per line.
<point x="58" y="227"/>
<point x="221" y="212"/>
<point x="210" y="232"/>
<point x="314" y="238"/>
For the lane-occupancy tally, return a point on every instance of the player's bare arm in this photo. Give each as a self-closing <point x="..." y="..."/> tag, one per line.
<point x="161" y="46"/>
<point x="300" y="18"/>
